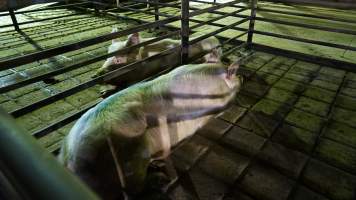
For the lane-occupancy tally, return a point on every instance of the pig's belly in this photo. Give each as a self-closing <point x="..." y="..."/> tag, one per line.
<point x="184" y="129"/>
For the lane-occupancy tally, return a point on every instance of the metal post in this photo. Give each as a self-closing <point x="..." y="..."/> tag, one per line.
<point x="14" y="20"/>
<point x="156" y="10"/>
<point x="252" y="22"/>
<point x="184" y="33"/>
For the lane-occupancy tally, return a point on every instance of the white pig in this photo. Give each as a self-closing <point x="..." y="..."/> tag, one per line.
<point x="152" y="67"/>
<point x="113" y="143"/>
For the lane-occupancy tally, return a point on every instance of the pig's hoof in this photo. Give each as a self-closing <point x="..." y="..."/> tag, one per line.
<point x="157" y="181"/>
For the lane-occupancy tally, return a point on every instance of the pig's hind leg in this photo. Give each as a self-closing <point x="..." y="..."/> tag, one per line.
<point x="99" y="173"/>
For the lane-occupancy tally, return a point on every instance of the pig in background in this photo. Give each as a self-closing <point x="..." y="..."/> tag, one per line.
<point x="113" y="143"/>
<point x="147" y="69"/>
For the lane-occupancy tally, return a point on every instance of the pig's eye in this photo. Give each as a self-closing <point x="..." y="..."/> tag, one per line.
<point x="119" y="59"/>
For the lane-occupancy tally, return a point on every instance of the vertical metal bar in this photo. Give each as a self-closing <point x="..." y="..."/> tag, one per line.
<point x="14" y="20"/>
<point x="252" y="22"/>
<point x="156" y="10"/>
<point x="184" y="32"/>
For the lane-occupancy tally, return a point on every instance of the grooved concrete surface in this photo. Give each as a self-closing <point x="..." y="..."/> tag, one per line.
<point x="289" y="136"/>
<point x="291" y="133"/>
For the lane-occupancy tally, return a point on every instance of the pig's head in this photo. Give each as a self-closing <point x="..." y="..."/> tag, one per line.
<point x="210" y="87"/>
<point x="122" y="59"/>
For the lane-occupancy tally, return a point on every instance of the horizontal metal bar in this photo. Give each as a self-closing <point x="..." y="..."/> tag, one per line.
<point x="78" y="65"/>
<point x="197" y="9"/>
<point x="212" y="8"/>
<point x="114" y="74"/>
<point x="47" y="8"/>
<point x="233" y="38"/>
<point x="288" y="37"/>
<point x="144" y="11"/>
<point x="226" y="27"/>
<point x="11" y="63"/>
<point x="228" y="52"/>
<point x="307" y="57"/>
<point x="40" y="20"/>
<point x="205" y="2"/>
<point x="218" y="18"/>
<point x="309" y="26"/>
<point x="306" y="15"/>
<point x="57" y="125"/>
<point x="174" y="5"/>
<point x="219" y="25"/>
<point x="322" y="3"/>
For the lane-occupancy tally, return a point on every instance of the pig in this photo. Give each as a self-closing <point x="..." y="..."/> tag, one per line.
<point x="147" y="69"/>
<point x="111" y="146"/>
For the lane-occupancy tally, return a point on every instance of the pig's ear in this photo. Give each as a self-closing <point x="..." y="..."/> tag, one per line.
<point x="231" y="70"/>
<point x="133" y="39"/>
<point x="114" y="30"/>
<point x="212" y="57"/>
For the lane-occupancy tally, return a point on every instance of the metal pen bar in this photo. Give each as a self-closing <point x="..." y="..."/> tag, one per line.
<point x="43" y="132"/>
<point x="224" y="27"/>
<point x="197" y="9"/>
<point x="14" y="20"/>
<point x="172" y="5"/>
<point x="228" y="52"/>
<point x="144" y="11"/>
<point x="39" y="20"/>
<point x="43" y="26"/>
<point x="306" y="15"/>
<point x="309" y="26"/>
<point x="338" y="64"/>
<point x="114" y="74"/>
<point x="212" y="8"/>
<point x="204" y="2"/>
<point x="340" y="5"/>
<point x="156" y="11"/>
<point x="78" y="65"/>
<point x="21" y="60"/>
<point x="47" y="8"/>
<point x="251" y="26"/>
<point x="218" y="18"/>
<point x="233" y="38"/>
<point x="184" y="31"/>
<point x="339" y="46"/>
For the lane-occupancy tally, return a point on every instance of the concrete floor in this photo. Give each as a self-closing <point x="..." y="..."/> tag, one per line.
<point x="290" y="135"/>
